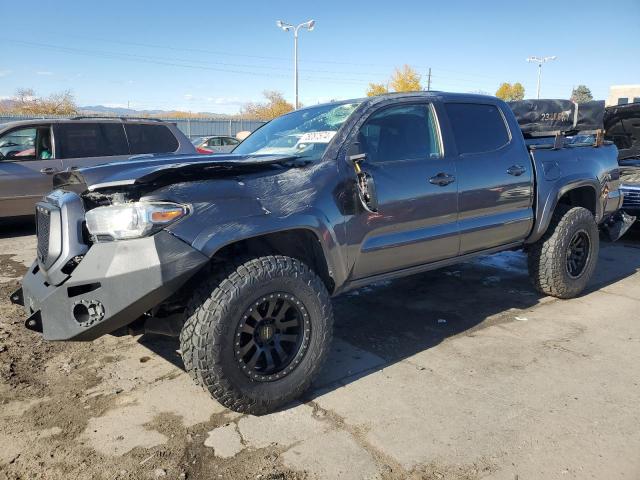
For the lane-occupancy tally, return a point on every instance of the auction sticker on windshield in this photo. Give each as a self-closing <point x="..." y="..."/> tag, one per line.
<point x="317" y="137"/>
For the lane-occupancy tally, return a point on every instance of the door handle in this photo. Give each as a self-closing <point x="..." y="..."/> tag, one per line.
<point x="442" y="179"/>
<point x="516" y="170"/>
<point x="48" y="171"/>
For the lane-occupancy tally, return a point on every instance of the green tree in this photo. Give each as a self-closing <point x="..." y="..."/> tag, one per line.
<point x="581" y="94"/>
<point x="376" y="89"/>
<point x="405" y="79"/>
<point x="509" y="92"/>
<point x="275" y="106"/>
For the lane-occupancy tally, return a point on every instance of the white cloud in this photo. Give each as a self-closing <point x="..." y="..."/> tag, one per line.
<point x="225" y="101"/>
<point x="188" y="96"/>
<point x="45" y="73"/>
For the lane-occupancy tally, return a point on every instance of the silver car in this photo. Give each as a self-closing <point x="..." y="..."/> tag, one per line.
<point x="215" y="144"/>
<point x="31" y="151"/>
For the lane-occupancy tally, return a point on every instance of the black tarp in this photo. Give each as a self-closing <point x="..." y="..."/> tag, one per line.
<point x="544" y="116"/>
<point x="590" y="116"/>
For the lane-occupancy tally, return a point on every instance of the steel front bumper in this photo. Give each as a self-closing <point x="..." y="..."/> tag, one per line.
<point x="113" y="285"/>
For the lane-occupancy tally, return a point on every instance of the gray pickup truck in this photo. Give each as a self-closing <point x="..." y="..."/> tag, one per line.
<point x="240" y="254"/>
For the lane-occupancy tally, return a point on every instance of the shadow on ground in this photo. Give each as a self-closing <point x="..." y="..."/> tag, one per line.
<point x="387" y="322"/>
<point x="17" y="227"/>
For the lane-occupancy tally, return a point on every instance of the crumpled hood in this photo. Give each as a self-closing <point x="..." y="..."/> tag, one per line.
<point x="149" y="168"/>
<point x="622" y="125"/>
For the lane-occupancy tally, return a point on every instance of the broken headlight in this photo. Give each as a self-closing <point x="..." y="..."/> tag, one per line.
<point x="132" y="220"/>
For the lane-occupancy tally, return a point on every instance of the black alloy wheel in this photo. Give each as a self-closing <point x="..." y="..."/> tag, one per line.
<point x="578" y="253"/>
<point x="272" y="337"/>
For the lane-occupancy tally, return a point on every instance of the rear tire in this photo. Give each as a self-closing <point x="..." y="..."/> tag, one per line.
<point x="562" y="262"/>
<point x="257" y="338"/>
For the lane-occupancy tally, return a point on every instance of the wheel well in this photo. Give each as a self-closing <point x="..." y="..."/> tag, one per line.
<point x="580" y="197"/>
<point x="301" y="244"/>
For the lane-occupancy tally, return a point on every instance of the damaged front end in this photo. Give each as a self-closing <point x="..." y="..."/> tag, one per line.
<point x="86" y="282"/>
<point x="107" y="256"/>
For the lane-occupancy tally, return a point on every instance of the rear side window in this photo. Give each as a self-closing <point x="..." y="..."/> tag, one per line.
<point x="477" y="127"/>
<point x="150" y="139"/>
<point x="78" y="140"/>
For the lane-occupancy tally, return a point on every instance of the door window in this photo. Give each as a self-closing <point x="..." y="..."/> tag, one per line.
<point x="150" y="139"/>
<point x="19" y="144"/>
<point x="215" y="142"/>
<point x="402" y="132"/>
<point x="230" y="141"/>
<point x="84" y="140"/>
<point x="477" y="127"/>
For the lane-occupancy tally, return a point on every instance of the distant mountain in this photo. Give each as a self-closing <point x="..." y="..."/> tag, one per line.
<point x="117" y="111"/>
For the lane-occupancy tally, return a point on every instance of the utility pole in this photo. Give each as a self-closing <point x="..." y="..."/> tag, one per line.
<point x="286" y="27"/>
<point x="540" y="61"/>
<point x="429" y="80"/>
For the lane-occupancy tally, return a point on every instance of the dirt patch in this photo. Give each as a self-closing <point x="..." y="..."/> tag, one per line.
<point x="106" y="410"/>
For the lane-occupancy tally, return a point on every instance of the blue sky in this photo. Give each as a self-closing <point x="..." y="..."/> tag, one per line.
<point x="215" y="56"/>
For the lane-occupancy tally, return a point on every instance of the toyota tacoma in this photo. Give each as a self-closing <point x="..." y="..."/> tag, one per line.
<point x="239" y="254"/>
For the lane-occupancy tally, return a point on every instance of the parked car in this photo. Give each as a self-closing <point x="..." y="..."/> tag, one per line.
<point x="241" y="253"/>
<point x="215" y="144"/>
<point x="622" y="126"/>
<point x="31" y="151"/>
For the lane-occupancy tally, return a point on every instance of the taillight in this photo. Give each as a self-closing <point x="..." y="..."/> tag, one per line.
<point x="204" y="150"/>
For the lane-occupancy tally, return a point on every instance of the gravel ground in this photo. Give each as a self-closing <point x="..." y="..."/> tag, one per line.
<point x="464" y="373"/>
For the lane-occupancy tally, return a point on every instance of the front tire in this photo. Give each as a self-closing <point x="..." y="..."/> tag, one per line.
<point x="562" y="262"/>
<point x="257" y="338"/>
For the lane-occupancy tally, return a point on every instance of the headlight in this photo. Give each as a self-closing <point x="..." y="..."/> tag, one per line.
<point x="132" y="220"/>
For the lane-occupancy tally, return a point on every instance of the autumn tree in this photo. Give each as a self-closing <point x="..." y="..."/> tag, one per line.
<point x="509" y="92"/>
<point x="581" y="94"/>
<point x="376" y="89"/>
<point x="405" y="79"/>
<point x="275" y="106"/>
<point x="27" y="102"/>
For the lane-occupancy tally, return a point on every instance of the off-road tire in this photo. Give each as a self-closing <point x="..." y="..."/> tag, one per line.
<point x="217" y="307"/>
<point x="547" y="258"/>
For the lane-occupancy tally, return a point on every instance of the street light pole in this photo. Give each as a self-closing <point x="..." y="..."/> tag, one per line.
<point x="295" y="66"/>
<point x="540" y="61"/>
<point x="286" y="27"/>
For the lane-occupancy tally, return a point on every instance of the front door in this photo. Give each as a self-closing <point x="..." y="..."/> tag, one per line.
<point x="27" y="164"/>
<point x="416" y="221"/>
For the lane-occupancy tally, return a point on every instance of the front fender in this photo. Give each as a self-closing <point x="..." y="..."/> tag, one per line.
<point x="216" y="235"/>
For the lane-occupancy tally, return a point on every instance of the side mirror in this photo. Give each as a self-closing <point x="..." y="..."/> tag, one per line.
<point x="355" y="154"/>
<point x="365" y="184"/>
<point x="367" y="192"/>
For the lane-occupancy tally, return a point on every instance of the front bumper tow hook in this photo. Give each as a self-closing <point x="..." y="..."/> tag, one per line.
<point x="17" y="298"/>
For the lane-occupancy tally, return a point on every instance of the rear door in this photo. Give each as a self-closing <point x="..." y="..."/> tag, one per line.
<point x="416" y="188"/>
<point x="27" y="164"/>
<point x="229" y="143"/>
<point x="84" y="144"/>
<point x="150" y="138"/>
<point x="495" y="178"/>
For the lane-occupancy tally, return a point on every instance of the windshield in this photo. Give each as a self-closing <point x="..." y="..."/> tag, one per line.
<point x="198" y="140"/>
<point x="305" y="133"/>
